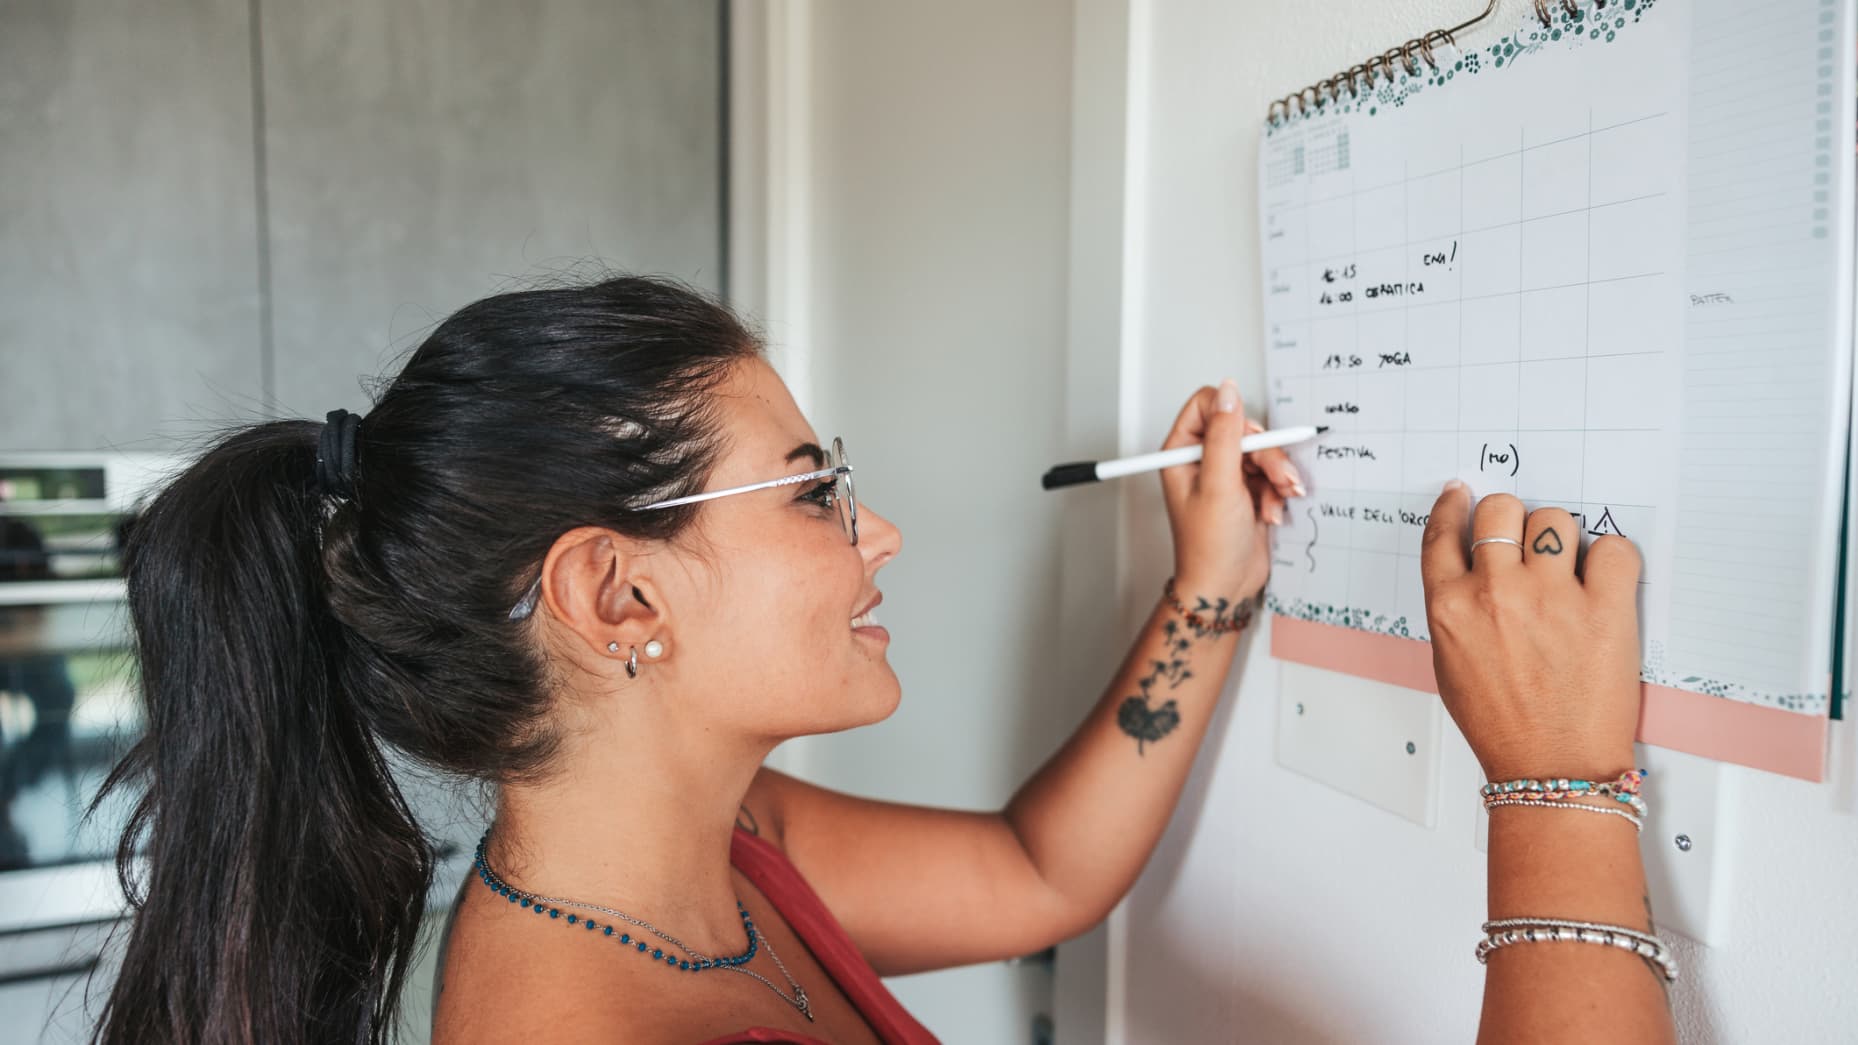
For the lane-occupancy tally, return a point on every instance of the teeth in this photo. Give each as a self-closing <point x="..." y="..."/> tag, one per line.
<point x="866" y="621"/>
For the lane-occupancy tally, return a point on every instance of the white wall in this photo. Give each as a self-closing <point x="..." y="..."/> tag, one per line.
<point x="1281" y="911"/>
<point x="940" y="159"/>
<point x="911" y="257"/>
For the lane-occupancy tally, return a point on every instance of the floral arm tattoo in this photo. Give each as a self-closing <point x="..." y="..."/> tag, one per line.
<point x="1140" y="718"/>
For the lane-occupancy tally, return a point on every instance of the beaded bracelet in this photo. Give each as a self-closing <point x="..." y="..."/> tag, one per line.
<point x="1624" y="789"/>
<point x="1508" y="931"/>
<point x="1627" y="783"/>
<point x="1544" y="803"/>
<point x="1218" y="625"/>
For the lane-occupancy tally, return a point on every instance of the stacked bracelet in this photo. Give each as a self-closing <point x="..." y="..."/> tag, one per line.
<point x="1509" y="931"/>
<point x="1218" y="623"/>
<point x="1624" y="790"/>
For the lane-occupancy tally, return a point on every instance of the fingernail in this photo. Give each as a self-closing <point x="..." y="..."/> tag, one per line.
<point x="1296" y="479"/>
<point x="1274" y="515"/>
<point x="1228" y="396"/>
<point x="1296" y="487"/>
<point x="1453" y="485"/>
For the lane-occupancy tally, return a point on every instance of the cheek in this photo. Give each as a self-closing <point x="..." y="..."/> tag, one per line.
<point x="786" y="605"/>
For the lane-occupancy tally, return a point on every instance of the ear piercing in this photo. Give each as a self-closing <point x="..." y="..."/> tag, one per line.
<point x="653" y="650"/>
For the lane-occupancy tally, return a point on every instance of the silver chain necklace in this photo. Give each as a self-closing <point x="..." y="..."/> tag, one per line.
<point x="797" y="999"/>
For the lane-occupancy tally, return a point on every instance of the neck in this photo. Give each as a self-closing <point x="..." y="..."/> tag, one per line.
<point x="643" y="829"/>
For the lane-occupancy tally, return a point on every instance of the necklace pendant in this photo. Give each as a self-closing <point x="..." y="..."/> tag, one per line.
<point x="800" y="1002"/>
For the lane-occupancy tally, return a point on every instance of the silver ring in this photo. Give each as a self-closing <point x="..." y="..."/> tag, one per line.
<point x="1495" y="540"/>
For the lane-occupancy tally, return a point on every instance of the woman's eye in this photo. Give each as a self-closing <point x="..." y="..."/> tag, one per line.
<point x="824" y="495"/>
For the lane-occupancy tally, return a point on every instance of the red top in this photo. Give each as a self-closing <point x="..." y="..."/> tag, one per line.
<point x="780" y="882"/>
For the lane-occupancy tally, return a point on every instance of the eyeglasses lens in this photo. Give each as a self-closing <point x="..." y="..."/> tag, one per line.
<point x="848" y="502"/>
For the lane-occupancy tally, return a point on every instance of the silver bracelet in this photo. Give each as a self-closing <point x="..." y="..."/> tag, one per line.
<point x="1524" y="797"/>
<point x="1538" y="803"/>
<point x="1508" y="931"/>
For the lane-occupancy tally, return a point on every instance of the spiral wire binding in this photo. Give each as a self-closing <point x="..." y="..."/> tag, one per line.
<point x="1409" y="55"/>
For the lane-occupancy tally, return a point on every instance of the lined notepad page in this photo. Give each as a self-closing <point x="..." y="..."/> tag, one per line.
<point x="1595" y="265"/>
<point x="1766" y="378"/>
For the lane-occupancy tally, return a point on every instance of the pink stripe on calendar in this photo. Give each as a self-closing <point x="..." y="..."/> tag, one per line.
<point x="1785" y="742"/>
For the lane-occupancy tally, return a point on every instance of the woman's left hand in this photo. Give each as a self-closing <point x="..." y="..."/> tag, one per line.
<point x="1219" y="507"/>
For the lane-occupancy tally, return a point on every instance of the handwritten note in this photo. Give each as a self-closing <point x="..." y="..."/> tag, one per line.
<point x="1525" y="269"/>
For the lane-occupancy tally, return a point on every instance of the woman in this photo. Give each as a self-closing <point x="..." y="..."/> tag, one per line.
<point x="501" y="572"/>
<point x="558" y="556"/>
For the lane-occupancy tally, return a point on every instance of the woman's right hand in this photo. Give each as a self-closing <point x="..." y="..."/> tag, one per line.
<point x="1538" y="667"/>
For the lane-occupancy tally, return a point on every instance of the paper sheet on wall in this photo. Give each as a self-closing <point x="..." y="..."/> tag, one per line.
<point x="1605" y="265"/>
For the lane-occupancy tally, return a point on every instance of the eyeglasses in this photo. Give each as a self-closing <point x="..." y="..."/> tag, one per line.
<point x="837" y="465"/>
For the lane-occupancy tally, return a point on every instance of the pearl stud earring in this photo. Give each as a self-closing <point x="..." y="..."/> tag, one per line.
<point x="654" y="649"/>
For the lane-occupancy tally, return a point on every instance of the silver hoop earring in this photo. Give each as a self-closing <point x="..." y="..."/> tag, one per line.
<point x="632" y="664"/>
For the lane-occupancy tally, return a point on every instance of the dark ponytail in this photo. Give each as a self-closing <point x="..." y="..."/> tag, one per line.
<point x="275" y="836"/>
<point x="289" y="636"/>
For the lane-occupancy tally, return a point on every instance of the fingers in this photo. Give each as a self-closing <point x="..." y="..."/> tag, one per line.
<point x="1441" y="555"/>
<point x="1612" y="570"/>
<point x="1177" y="483"/>
<point x="1222" y="466"/>
<point x="1271" y="504"/>
<point x="1276" y="466"/>
<point x="1498" y="515"/>
<point x="1551" y="541"/>
<point x="1214" y="418"/>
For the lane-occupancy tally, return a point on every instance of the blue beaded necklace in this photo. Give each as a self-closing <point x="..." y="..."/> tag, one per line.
<point x="694" y="962"/>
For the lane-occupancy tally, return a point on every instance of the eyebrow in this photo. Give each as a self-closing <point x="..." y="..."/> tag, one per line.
<point x="811" y="450"/>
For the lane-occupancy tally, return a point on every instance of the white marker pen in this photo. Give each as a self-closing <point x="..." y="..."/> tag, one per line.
<point x="1093" y="471"/>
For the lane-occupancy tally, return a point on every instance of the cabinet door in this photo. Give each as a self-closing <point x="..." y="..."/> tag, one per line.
<point x="128" y="242"/>
<point x="423" y="154"/>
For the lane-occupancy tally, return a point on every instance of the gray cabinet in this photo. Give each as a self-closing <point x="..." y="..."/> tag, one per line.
<point x="215" y="209"/>
<point x="421" y="157"/>
<point x="129" y="291"/>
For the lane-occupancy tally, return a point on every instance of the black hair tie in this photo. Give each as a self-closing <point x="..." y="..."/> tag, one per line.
<point x="335" y="454"/>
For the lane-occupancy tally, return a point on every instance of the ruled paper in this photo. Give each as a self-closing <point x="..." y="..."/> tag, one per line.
<point x="1767" y="359"/>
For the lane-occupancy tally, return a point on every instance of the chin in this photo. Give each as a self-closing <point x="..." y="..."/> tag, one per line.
<point x="889" y="697"/>
<point x="874" y="702"/>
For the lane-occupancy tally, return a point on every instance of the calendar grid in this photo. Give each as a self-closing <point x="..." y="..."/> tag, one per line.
<point x="1328" y="343"/>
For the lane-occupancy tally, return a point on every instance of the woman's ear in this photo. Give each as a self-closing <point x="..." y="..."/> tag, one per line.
<point x="595" y="583"/>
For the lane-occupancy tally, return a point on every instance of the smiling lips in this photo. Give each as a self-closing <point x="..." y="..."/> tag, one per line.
<point x="868" y="619"/>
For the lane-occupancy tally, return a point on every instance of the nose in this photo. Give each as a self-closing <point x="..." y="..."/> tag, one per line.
<point x="878" y="538"/>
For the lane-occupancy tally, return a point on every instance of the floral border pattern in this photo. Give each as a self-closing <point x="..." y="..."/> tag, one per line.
<point x="1586" y="25"/>
<point x="1346" y="617"/>
<point x="1653" y="671"/>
